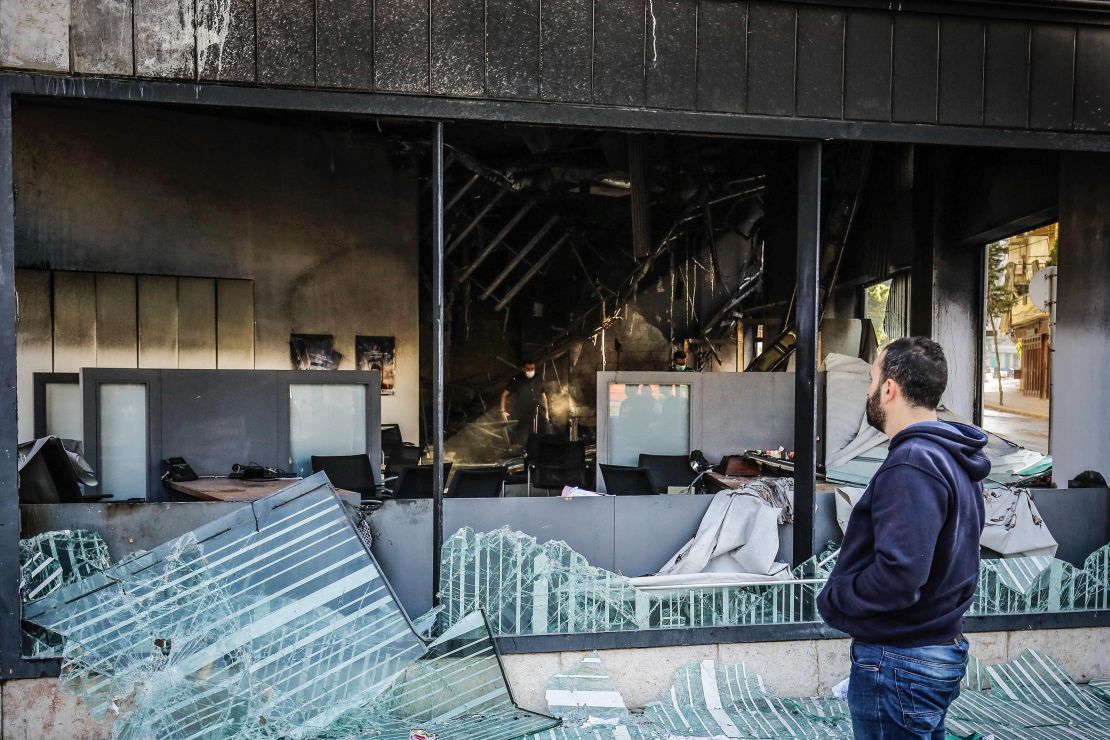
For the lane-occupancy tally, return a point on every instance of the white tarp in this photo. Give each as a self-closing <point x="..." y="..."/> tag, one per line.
<point x="847" y="432"/>
<point x="1013" y="526"/>
<point x="738" y="540"/>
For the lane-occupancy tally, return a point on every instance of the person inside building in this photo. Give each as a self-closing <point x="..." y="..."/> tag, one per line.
<point x="909" y="563"/>
<point x="524" y="401"/>
<point x="678" y="362"/>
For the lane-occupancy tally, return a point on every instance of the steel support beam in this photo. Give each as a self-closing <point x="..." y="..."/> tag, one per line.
<point x="536" y="238"/>
<point x="532" y="272"/>
<point x="488" y="249"/>
<point x="477" y="219"/>
<point x="437" y="353"/>
<point x="805" y="372"/>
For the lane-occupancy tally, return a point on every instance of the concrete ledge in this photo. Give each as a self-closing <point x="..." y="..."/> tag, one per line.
<point x="36" y="708"/>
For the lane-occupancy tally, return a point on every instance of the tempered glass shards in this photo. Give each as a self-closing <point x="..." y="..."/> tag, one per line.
<point x="49" y="561"/>
<point x="271" y="620"/>
<point x="456" y="689"/>
<point x="530" y="588"/>
<point x="710" y="699"/>
<point x="591" y="707"/>
<point x="1029" y="698"/>
<point x="1041" y="584"/>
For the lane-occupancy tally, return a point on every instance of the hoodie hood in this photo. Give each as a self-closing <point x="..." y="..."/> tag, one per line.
<point x="963" y="442"/>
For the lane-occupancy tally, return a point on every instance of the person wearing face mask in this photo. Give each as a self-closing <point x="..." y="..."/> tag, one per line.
<point x="525" y="401"/>
<point x="909" y="563"/>
<point x="678" y="362"/>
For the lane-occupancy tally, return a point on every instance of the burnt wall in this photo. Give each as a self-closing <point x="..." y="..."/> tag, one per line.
<point x="317" y="216"/>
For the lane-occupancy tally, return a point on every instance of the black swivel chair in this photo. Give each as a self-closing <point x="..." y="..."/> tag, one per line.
<point x="401" y="457"/>
<point x="669" y="470"/>
<point x="352" y="473"/>
<point x="622" y="480"/>
<point x="555" y="463"/>
<point x="479" y="482"/>
<point x="415" y="481"/>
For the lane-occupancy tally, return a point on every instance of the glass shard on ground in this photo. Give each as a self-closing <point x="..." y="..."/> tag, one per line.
<point x="273" y="621"/>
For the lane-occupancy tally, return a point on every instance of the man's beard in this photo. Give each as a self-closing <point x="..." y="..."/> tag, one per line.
<point x="876" y="416"/>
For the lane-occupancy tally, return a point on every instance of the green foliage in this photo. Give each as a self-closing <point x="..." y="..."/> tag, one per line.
<point x="877" y="297"/>
<point x="1000" y="297"/>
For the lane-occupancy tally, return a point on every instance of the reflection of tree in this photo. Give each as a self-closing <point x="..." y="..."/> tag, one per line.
<point x="1000" y="299"/>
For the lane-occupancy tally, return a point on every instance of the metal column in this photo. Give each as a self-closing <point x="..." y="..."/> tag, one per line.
<point x="437" y="354"/>
<point x="9" y="496"/>
<point x="805" y="374"/>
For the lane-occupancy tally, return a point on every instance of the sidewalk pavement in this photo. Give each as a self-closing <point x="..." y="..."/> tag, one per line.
<point x="1015" y="402"/>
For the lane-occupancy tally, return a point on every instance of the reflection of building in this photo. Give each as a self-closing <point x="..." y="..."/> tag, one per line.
<point x="1028" y="324"/>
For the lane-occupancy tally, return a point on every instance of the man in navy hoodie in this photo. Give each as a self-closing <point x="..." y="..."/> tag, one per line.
<point x="909" y="563"/>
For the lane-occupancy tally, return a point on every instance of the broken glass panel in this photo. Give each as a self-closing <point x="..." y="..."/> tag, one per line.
<point x="528" y="587"/>
<point x="588" y="702"/>
<point x="272" y="621"/>
<point x="711" y="699"/>
<point x="49" y="561"/>
<point x="456" y="689"/>
<point x="1029" y="697"/>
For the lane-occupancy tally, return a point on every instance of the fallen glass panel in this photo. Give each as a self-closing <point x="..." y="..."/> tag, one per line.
<point x="710" y="699"/>
<point x="272" y="621"/>
<point x="49" y="561"/>
<point x="1028" y="698"/>
<point x="1031" y="697"/>
<point x="588" y="702"/>
<point x="456" y="689"/>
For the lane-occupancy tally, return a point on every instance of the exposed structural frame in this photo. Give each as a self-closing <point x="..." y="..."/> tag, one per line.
<point x="436" y="110"/>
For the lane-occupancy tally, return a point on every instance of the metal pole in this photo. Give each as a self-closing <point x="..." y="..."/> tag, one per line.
<point x="437" y="355"/>
<point x="805" y="373"/>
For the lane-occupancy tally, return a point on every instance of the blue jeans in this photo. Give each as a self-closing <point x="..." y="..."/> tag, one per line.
<point x="903" y="693"/>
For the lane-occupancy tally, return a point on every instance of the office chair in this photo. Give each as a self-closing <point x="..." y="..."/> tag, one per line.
<point x="401" y="457"/>
<point x="391" y="436"/>
<point x="352" y="473"/>
<point x="668" y="470"/>
<point x="622" y="480"/>
<point x="415" y="481"/>
<point x="555" y="463"/>
<point x="479" y="482"/>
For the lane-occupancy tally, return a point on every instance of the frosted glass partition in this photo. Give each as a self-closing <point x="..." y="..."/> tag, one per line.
<point x="63" y="410"/>
<point x="123" y="440"/>
<point x="647" y="418"/>
<point x="325" y="419"/>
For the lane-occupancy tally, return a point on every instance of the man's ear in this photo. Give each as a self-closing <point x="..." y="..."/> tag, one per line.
<point x="890" y="389"/>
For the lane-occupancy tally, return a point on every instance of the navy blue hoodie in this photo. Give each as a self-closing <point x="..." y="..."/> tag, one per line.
<point x="909" y="564"/>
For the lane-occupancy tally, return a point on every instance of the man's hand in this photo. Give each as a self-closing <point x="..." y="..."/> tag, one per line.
<point x="504" y="415"/>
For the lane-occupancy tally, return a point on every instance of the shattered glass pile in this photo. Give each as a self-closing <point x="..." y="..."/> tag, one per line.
<point x="1030" y="698"/>
<point x="273" y="621"/>
<point x="49" y="561"/>
<point x="529" y="587"/>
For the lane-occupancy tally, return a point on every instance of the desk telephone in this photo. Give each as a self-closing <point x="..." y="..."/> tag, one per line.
<point x="177" y="470"/>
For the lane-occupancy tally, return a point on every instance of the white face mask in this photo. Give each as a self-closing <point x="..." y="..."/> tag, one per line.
<point x="529" y="374"/>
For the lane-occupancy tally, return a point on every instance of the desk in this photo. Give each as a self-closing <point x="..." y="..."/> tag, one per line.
<point x="734" y="482"/>
<point x="233" y="489"/>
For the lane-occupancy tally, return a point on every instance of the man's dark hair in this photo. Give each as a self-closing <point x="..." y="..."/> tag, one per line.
<point x="679" y="355"/>
<point x="918" y="366"/>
